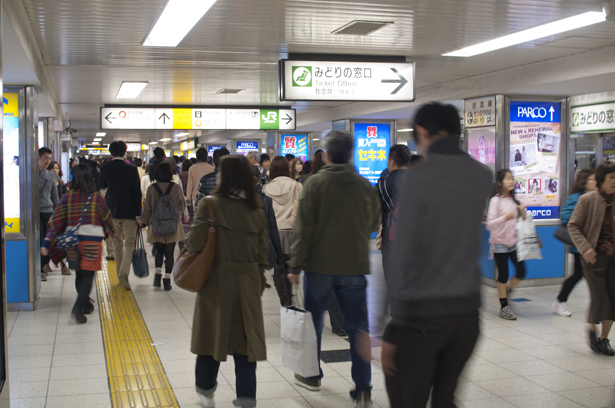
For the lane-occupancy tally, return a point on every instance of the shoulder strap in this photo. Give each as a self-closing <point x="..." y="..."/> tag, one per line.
<point x="169" y="188"/>
<point x="157" y="188"/>
<point x="210" y="208"/>
<point x="85" y="209"/>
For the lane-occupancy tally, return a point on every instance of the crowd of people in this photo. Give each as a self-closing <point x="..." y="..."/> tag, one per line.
<point x="313" y="220"/>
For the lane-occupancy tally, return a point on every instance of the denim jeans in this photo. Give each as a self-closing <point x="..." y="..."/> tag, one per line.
<point x="351" y="294"/>
<point x="206" y="375"/>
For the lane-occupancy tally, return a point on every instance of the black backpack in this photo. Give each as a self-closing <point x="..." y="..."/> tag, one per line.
<point x="166" y="216"/>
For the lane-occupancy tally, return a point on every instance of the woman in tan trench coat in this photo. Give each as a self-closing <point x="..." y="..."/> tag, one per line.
<point x="228" y="316"/>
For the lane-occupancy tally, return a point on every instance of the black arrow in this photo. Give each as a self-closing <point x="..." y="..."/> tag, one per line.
<point x="107" y="117"/>
<point x="164" y="117"/>
<point x="401" y="81"/>
<point x="290" y="119"/>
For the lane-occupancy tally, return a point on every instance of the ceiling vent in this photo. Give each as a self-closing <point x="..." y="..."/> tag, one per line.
<point x="358" y="27"/>
<point x="229" y="91"/>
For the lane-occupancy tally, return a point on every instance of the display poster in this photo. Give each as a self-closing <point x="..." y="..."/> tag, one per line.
<point x="212" y="148"/>
<point x="244" y="146"/>
<point x="297" y="145"/>
<point x="480" y="112"/>
<point x="372" y="142"/>
<point x="481" y="145"/>
<point x="11" y="163"/>
<point x="535" y="156"/>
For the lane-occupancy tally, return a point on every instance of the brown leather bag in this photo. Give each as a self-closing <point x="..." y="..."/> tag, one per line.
<point x="192" y="269"/>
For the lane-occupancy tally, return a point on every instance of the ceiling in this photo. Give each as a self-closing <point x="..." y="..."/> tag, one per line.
<point x="90" y="47"/>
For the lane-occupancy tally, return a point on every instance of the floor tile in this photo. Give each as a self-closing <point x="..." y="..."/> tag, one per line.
<point x="28" y="402"/>
<point x="545" y="400"/>
<point x="486" y="372"/>
<point x="577" y="363"/>
<point x="78" y="387"/>
<point x="31" y="389"/>
<point x="80" y="401"/>
<point x="602" y="377"/>
<point x="511" y="386"/>
<point x="592" y="397"/>
<point x="535" y="367"/>
<point x="485" y="403"/>
<point x="77" y="372"/>
<point x="562" y="381"/>
<point x="468" y="391"/>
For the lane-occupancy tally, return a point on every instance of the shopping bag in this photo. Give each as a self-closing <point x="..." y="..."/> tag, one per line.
<point x="139" y="257"/>
<point x="528" y="242"/>
<point x="299" y="345"/>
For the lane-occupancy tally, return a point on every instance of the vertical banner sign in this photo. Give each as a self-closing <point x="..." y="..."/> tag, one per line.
<point x="535" y="155"/>
<point x="245" y="146"/>
<point x="372" y="142"/>
<point x="212" y="148"/>
<point x="481" y="145"/>
<point x="296" y="145"/>
<point x="11" y="163"/>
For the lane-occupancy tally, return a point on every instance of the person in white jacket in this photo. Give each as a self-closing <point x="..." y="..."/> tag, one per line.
<point x="285" y="193"/>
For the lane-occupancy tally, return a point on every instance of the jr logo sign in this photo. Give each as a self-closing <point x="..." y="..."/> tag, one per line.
<point x="270" y="119"/>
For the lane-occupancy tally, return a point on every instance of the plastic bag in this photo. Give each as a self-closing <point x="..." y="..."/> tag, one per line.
<point x="528" y="242"/>
<point x="299" y="345"/>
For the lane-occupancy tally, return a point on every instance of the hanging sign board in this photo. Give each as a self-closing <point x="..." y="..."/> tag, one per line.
<point x="197" y="119"/>
<point x="244" y="146"/>
<point x="593" y="118"/>
<point x="212" y="148"/>
<point x="346" y="81"/>
<point x="480" y="112"/>
<point x="372" y="142"/>
<point x="189" y="145"/>
<point x="297" y="145"/>
<point x="535" y="155"/>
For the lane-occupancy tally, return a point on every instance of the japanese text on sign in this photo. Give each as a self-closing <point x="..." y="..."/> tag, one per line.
<point x="593" y="118"/>
<point x="372" y="143"/>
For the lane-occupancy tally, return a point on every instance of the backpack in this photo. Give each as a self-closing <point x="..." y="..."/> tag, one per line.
<point x="166" y="216"/>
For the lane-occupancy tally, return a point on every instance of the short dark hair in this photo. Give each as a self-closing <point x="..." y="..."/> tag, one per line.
<point x="164" y="173"/>
<point x="43" y="150"/>
<point x="93" y="164"/>
<point x="186" y="164"/>
<point x="82" y="179"/>
<point x="604" y="168"/>
<point x="117" y="148"/>
<point x="437" y="118"/>
<point x="307" y="168"/>
<point x="181" y="159"/>
<point x="193" y="160"/>
<point x="339" y="146"/>
<point x="264" y="157"/>
<point x="159" y="152"/>
<point x="220" y="153"/>
<point x="237" y="175"/>
<point x="201" y="155"/>
<point x="138" y="162"/>
<point x="290" y="157"/>
<point x="400" y="154"/>
<point x="279" y="168"/>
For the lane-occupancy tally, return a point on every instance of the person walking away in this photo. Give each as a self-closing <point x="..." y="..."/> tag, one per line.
<point x="155" y="211"/>
<point x="183" y="176"/>
<point x="145" y="181"/>
<point x="228" y="315"/>
<point x="173" y="163"/>
<point x="336" y="259"/>
<point x="434" y="281"/>
<point x="95" y="225"/>
<point x="591" y="230"/>
<point x="54" y="167"/>
<point x="123" y="198"/>
<point x="504" y="210"/>
<point x="208" y="182"/>
<point x="47" y="201"/>
<point x="585" y="182"/>
<point x="285" y="193"/>
<point x="195" y="174"/>
<point x="139" y="165"/>
<point x="305" y="172"/>
<point x="296" y="166"/>
<point x="95" y="173"/>
<point x="159" y="157"/>
<point x="265" y="163"/>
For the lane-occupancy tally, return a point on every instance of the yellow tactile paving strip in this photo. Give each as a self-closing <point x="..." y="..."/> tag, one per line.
<point x="136" y="376"/>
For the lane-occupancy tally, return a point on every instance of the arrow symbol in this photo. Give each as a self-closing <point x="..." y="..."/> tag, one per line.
<point x="551" y="111"/>
<point x="288" y="118"/>
<point x="107" y="117"/>
<point x="164" y="118"/>
<point x="401" y="81"/>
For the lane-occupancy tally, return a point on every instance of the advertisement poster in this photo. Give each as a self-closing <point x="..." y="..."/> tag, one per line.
<point x="296" y="145"/>
<point x="481" y="145"/>
<point x="212" y="148"/>
<point x="371" y="148"/>
<point x="535" y="156"/>
<point x="11" y="163"/>
<point x="245" y="146"/>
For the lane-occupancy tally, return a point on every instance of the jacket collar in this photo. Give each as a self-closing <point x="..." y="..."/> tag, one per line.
<point x="447" y="145"/>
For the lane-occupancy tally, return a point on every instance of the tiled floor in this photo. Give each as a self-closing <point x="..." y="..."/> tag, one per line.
<point x="541" y="360"/>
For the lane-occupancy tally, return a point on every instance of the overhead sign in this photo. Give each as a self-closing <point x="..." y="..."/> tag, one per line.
<point x="297" y="145"/>
<point x="547" y="112"/>
<point x="245" y="146"/>
<point x="133" y="147"/>
<point x="480" y="112"/>
<point x="197" y="119"/>
<point x="593" y="118"/>
<point x="372" y="142"/>
<point x="346" y="81"/>
<point x="191" y="144"/>
<point x="212" y="148"/>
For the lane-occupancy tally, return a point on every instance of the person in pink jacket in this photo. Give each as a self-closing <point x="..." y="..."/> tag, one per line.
<point x="504" y="209"/>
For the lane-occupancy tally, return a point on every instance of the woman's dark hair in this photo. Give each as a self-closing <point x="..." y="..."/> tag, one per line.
<point x="193" y="160"/>
<point x="499" y="178"/>
<point x="307" y="168"/>
<point x="186" y="164"/>
<point x="82" y="179"/>
<point x="237" y="175"/>
<point x="279" y="167"/>
<point x="581" y="181"/>
<point x="318" y="163"/>
<point x="293" y="163"/>
<point x="173" y="163"/>
<point x="164" y="173"/>
<point x="604" y="168"/>
<point x="138" y="162"/>
<point x="146" y="168"/>
<point x="50" y="167"/>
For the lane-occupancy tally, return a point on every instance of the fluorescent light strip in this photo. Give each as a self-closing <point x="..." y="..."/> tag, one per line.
<point x="405" y="130"/>
<point x="545" y="30"/>
<point x="101" y="134"/>
<point x="130" y="90"/>
<point x="152" y="143"/>
<point x="182" y="134"/>
<point x="165" y="139"/>
<point x="176" y="21"/>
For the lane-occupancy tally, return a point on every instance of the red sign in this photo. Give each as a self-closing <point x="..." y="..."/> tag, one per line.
<point x="372" y="131"/>
<point x="290" y="142"/>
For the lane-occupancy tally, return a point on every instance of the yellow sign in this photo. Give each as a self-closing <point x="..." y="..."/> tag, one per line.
<point x="182" y="118"/>
<point x="11" y="104"/>
<point x="11" y="225"/>
<point x="144" y="147"/>
<point x="191" y="154"/>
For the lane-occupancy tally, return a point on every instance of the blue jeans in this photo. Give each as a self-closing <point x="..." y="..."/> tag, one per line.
<point x="351" y="294"/>
<point x="206" y="372"/>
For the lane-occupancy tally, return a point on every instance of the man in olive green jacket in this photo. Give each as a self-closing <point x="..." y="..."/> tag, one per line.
<point x="337" y="212"/>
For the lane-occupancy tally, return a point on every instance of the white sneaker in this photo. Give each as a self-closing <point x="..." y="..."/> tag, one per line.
<point x="208" y="402"/>
<point x="507" y="313"/>
<point x="560" y="308"/>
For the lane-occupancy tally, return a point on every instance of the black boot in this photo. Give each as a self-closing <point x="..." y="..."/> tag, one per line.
<point x="605" y="347"/>
<point x="79" y="315"/>
<point x="167" y="283"/>
<point x="157" y="278"/>
<point x="89" y="307"/>
<point x="593" y="341"/>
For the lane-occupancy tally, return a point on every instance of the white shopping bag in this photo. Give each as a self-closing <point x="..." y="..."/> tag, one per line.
<point x="528" y="242"/>
<point x="299" y="346"/>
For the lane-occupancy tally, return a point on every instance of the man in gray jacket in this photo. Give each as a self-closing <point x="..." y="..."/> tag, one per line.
<point x="47" y="201"/>
<point x="434" y="280"/>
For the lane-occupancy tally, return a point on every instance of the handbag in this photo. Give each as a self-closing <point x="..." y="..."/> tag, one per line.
<point x="70" y="239"/>
<point x="563" y="236"/>
<point x="192" y="269"/>
<point x="298" y="341"/>
<point x="139" y="257"/>
<point x="528" y="242"/>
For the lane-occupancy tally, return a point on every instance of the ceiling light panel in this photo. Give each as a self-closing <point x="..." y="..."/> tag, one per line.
<point x="176" y="21"/>
<point x="130" y="90"/>
<point x="545" y="30"/>
<point x="166" y="139"/>
<point x="101" y="134"/>
<point x="229" y="91"/>
<point x="153" y="143"/>
<point x="358" y="27"/>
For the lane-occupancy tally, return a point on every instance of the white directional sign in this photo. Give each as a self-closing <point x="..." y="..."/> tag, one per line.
<point x="208" y="119"/>
<point x="164" y="118"/>
<point x="260" y="119"/>
<point x="593" y="118"/>
<point x="346" y="81"/>
<point x="127" y="118"/>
